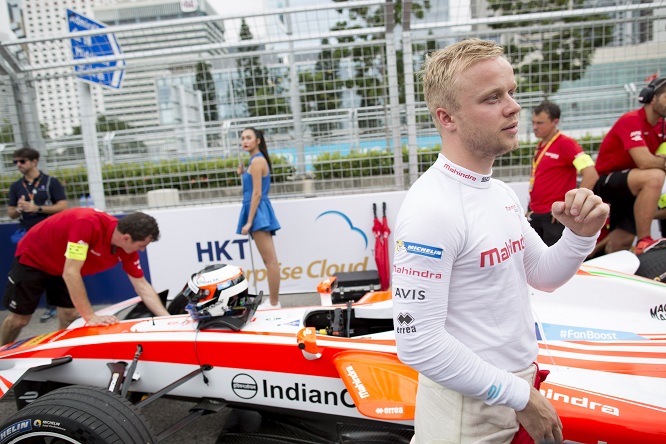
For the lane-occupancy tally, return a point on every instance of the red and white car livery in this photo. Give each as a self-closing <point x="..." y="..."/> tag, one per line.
<point x="602" y="336"/>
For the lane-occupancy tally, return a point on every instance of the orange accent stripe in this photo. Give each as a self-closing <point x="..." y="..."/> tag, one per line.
<point x="618" y="353"/>
<point x="583" y="273"/>
<point x="588" y="416"/>
<point x="7" y="382"/>
<point x="653" y="370"/>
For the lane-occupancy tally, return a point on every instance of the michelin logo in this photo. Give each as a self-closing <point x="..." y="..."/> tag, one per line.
<point x="15" y="428"/>
<point x="420" y="249"/>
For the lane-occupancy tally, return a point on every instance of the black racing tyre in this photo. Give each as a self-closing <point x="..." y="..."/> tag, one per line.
<point x="653" y="265"/>
<point x="177" y="305"/>
<point x="26" y="391"/>
<point x="77" y="415"/>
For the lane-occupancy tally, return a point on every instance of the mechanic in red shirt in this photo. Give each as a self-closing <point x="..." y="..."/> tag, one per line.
<point x="631" y="175"/>
<point x="555" y="165"/>
<point x="56" y="253"/>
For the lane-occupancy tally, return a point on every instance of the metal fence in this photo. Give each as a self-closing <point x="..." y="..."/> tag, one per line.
<point x="334" y="86"/>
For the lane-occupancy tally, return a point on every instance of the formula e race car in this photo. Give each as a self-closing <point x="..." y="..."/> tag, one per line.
<point x="329" y="373"/>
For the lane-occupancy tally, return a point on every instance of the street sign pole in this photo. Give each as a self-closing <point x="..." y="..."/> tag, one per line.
<point x="90" y="147"/>
<point x="90" y="47"/>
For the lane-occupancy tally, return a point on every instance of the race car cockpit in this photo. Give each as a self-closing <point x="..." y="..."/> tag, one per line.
<point x="218" y="296"/>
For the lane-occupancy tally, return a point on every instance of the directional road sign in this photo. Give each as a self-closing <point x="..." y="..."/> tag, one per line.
<point x="95" y="46"/>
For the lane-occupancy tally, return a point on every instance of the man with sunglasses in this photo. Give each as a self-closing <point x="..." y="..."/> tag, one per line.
<point x="33" y="198"/>
<point x="36" y="195"/>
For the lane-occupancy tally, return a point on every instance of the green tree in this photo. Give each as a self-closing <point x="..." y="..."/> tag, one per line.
<point x="105" y="125"/>
<point x="204" y="82"/>
<point x="369" y="79"/>
<point x="44" y="130"/>
<point x="543" y="55"/>
<point x="257" y="85"/>
<point x="321" y="87"/>
<point x="6" y="132"/>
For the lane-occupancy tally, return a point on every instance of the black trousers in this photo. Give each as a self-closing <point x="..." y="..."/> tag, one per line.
<point x="548" y="231"/>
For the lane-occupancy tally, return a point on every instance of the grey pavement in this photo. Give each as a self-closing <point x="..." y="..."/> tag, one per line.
<point x="163" y="412"/>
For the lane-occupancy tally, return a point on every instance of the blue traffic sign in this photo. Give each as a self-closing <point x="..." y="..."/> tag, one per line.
<point x="95" y="46"/>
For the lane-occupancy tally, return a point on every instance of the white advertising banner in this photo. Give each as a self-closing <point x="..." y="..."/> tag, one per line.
<point x="319" y="237"/>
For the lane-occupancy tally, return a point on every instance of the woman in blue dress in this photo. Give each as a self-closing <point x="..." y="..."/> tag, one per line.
<point x="257" y="217"/>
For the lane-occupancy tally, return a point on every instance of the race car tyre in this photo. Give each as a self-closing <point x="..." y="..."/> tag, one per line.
<point x="653" y="265"/>
<point x="177" y="305"/>
<point x="26" y="391"/>
<point x="79" y="415"/>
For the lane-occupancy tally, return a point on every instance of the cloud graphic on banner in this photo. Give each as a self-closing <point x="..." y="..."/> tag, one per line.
<point x="349" y="222"/>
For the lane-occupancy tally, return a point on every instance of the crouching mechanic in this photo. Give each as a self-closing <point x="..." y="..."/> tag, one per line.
<point x="55" y="255"/>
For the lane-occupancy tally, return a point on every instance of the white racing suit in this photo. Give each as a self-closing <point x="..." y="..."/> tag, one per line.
<point x="464" y="257"/>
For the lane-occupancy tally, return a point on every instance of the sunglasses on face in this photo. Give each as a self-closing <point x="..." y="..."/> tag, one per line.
<point x="21" y="161"/>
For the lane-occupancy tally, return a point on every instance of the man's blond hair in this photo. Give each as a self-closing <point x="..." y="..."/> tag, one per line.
<point x="442" y="68"/>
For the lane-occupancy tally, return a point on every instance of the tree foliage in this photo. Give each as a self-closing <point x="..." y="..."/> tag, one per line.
<point x="322" y="85"/>
<point x="105" y="125"/>
<point x="203" y="81"/>
<point x="6" y="132"/>
<point x="545" y="55"/>
<point x="369" y="80"/>
<point x="258" y="87"/>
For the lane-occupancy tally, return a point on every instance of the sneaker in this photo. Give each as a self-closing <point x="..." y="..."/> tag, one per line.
<point x="266" y="305"/>
<point x="647" y="243"/>
<point x="49" y="314"/>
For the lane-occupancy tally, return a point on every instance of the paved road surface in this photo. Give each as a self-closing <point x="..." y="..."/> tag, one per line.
<point x="163" y="412"/>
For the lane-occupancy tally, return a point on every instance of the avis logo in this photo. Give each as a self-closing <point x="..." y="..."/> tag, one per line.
<point x="411" y="293"/>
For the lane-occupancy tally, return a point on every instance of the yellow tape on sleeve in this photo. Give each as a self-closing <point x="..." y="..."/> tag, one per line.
<point x="583" y="161"/>
<point x="75" y="251"/>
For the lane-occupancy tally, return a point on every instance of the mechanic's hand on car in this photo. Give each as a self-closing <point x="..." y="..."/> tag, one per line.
<point x="100" y="320"/>
<point x="582" y="212"/>
<point x="540" y="419"/>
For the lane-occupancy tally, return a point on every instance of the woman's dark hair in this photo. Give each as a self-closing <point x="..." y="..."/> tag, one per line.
<point x="262" y="146"/>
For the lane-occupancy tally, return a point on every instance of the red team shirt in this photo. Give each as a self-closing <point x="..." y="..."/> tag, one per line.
<point x="45" y="244"/>
<point x="555" y="173"/>
<point x="632" y="130"/>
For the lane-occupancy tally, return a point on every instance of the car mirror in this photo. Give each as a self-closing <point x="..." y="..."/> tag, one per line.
<point x="307" y="343"/>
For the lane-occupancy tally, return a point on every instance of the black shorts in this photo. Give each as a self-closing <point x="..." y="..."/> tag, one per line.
<point x="549" y="231"/>
<point x="25" y="286"/>
<point x="614" y="190"/>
